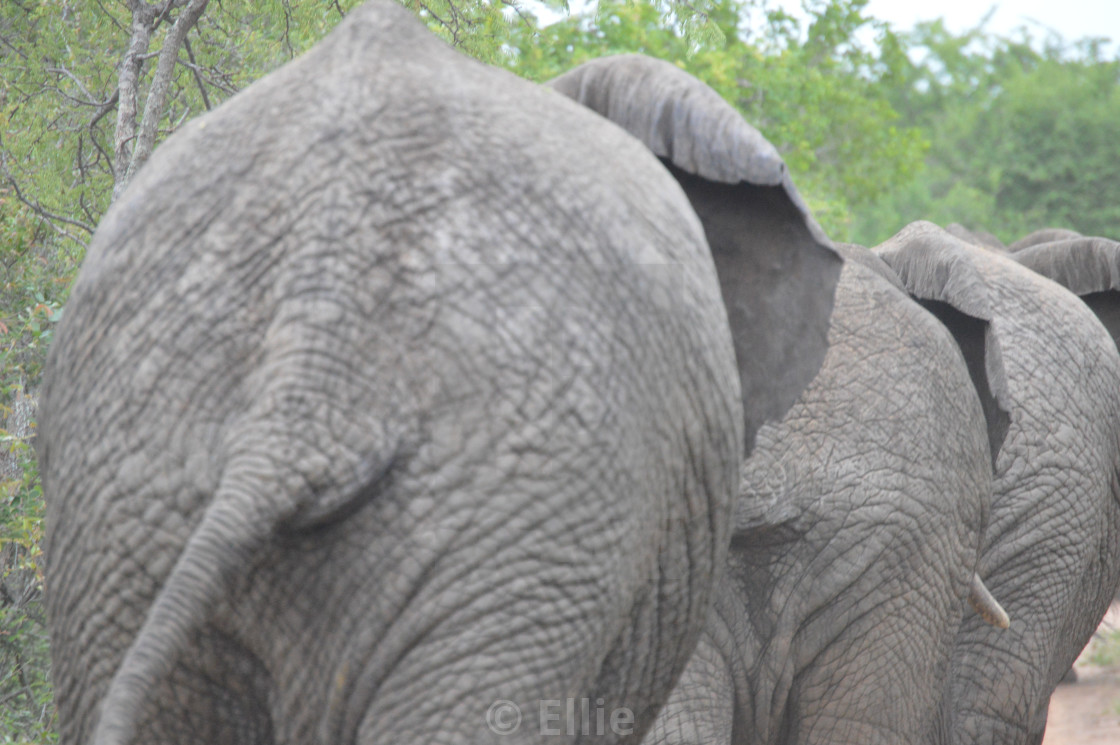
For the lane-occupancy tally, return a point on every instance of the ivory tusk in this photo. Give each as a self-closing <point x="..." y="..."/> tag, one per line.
<point x="983" y="603"/>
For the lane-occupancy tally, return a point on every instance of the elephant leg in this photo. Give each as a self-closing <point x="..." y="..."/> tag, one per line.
<point x="700" y="710"/>
<point x="1056" y="579"/>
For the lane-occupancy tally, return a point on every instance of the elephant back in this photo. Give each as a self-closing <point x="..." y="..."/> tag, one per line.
<point x="367" y="374"/>
<point x="1056" y="371"/>
<point x="838" y="522"/>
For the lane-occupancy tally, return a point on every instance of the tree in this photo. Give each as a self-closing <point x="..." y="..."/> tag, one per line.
<point x="116" y="77"/>
<point x="1022" y="135"/>
<point x="817" y="97"/>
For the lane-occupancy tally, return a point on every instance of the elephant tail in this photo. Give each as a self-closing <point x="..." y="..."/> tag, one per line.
<point x="248" y="510"/>
<point x="231" y="530"/>
<point x="987" y="606"/>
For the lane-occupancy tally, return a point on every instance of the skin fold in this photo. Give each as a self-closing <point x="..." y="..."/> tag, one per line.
<point x="391" y="390"/>
<point x="1042" y="236"/>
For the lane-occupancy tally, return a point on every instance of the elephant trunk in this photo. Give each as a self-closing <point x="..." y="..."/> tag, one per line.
<point x="987" y="606"/>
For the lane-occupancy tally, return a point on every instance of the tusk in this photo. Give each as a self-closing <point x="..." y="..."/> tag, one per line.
<point x="983" y="603"/>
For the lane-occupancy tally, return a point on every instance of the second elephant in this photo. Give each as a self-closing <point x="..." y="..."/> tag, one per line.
<point x="1051" y="551"/>
<point x="849" y="568"/>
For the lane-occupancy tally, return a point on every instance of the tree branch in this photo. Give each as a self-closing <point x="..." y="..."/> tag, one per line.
<point x="43" y="212"/>
<point x="157" y="93"/>
<point x="197" y="75"/>
<point x="287" y="8"/>
<point x="220" y="85"/>
<point x="60" y="70"/>
<point x="105" y="109"/>
<point x="143" y="22"/>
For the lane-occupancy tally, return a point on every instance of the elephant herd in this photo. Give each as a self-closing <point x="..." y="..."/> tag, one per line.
<point x="401" y="400"/>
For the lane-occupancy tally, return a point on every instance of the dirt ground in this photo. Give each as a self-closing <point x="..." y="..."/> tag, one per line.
<point x="1088" y="712"/>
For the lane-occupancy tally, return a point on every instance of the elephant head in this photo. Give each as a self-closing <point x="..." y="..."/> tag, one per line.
<point x="1050" y="552"/>
<point x="775" y="264"/>
<point x="1044" y="235"/>
<point x="976" y="237"/>
<point x="1087" y="267"/>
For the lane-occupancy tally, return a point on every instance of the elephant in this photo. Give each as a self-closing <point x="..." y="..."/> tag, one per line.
<point x="744" y="195"/>
<point x="976" y="237"/>
<point x="1051" y="551"/>
<point x="808" y="626"/>
<point x="1044" y="235"/>
<point x="1087" y="267"/>
<point x="397" y="398"/>
<point x="851" y="557"/>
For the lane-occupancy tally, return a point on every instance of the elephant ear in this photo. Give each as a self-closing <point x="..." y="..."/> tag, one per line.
<point x="1045" y="235"/>
<point x="1087" y="267"/>
<point x="856" y="254"/>
<point x="939" y="271"/>
<point x="777" y="269"/>
<point x="976" y="237"/>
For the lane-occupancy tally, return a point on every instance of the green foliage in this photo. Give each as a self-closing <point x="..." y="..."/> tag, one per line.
<point x="34" y="277"/>
<point x="59" y="80"/>
<point x="1055" y="136"/>
<point x="26" y="714"/>
<point x="1022" y="137"/>
<point x="816" y="96"/>
<point x="479" y="29"/>
<point x="1105" y="649"/>
<point x="31" y="297"/>
<point x="42" y="80"/>
<point x="26" y="708"/>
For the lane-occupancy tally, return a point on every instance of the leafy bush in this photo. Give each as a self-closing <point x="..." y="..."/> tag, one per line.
<point x="26" y="709"/>
<point x="37" y="273"/>
<point x="1105" y="649"/>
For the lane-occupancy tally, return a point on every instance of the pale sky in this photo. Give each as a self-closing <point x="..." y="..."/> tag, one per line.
<point x="1073" y="19"/>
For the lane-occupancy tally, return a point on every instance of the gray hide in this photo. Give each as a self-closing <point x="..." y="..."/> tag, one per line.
<point x="1052" y="549"/>
<point x="776" y="268"/>
<point x="393" y="388"/>
<point x="976" y="237"/>
<point x="857" y="530"/>
<point x="1043" y="235"/>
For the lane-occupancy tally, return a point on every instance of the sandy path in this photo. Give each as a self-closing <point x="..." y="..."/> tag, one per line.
<point x="1087" y="712"/>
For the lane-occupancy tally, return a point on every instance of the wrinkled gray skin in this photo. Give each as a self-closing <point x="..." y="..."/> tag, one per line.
<point x="1052" y="548"/>
<point x="976" y="237"/>
<point x="750" y="208"/>
<point x="393" y="387"/>
<point x="829" y="625"/>
<point x="1088" y="267"/>
<point x="1043" y="235"/>
<point x="851" y="557"/>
